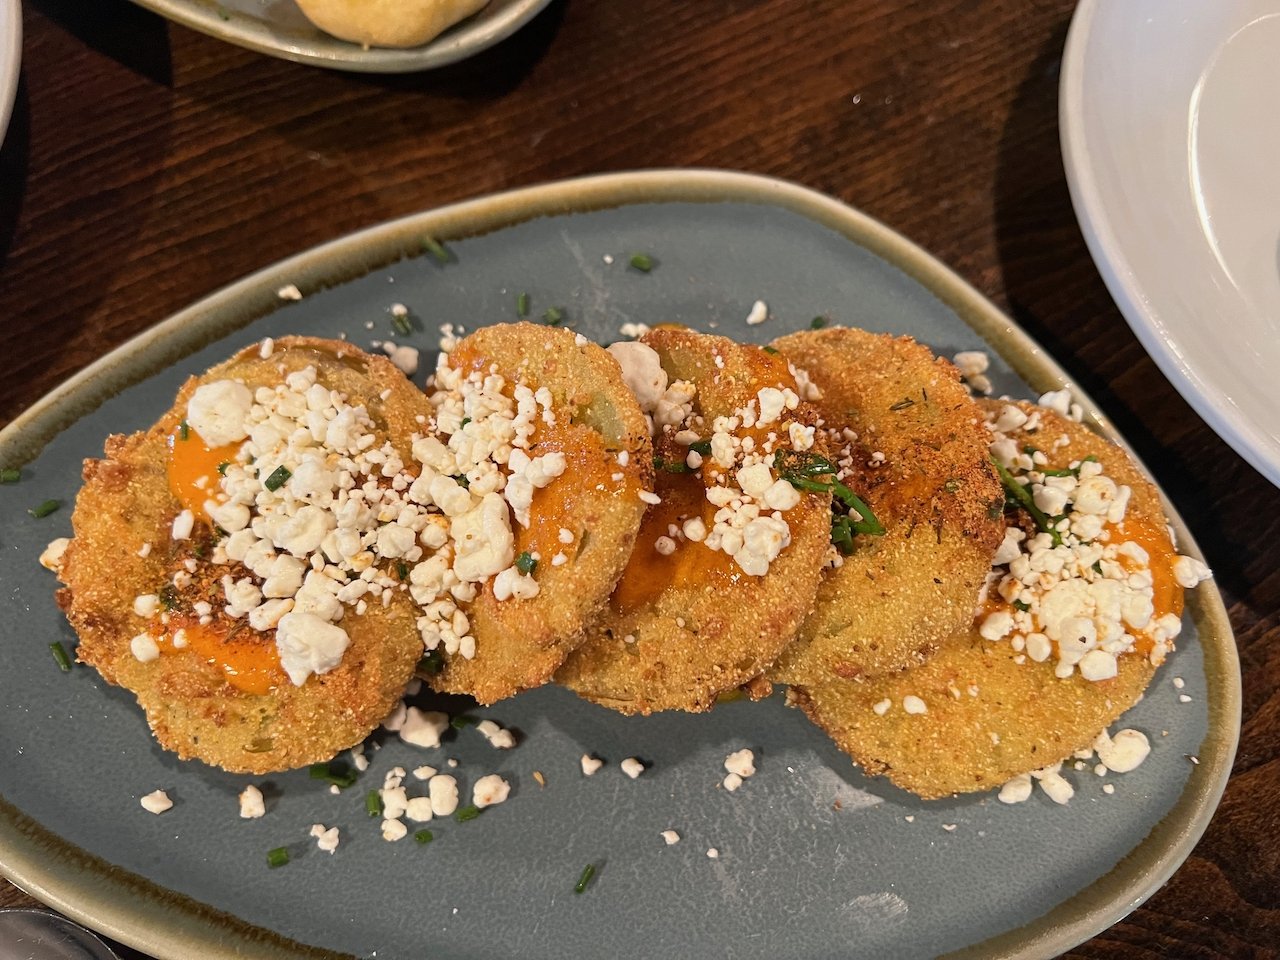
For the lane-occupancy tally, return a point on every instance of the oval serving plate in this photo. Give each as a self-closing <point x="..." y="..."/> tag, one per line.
<point x="279" y="29"/>
<point x="814" y="859"/>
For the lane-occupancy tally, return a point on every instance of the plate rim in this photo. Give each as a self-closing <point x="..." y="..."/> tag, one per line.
<point x="1126" y="289"/>
<point x="112" y="900"/>
<point x="10" y="62"/>
<point x="456" y="43"/>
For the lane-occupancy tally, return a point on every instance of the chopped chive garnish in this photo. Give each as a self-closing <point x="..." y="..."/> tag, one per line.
<point x="770" y="350"/>
<point x="642" y="262"/>
<point x="801" y="470"/>
<point x="373" y="803"/>
<point x="469" y="812"/>
<point x="588" y="872"/>
<point x="670" y="466"/>
<point x="339" y="778"/>
<point x="222" y="468"/>
<point x="44" y="509"/>
<point x="526" y="563"/>
<point x="432" y="663"/>
<point x="701" y="446"/>
<point x="462" y="720"/>
<point x="184" y="431"/>
<point x="522" y="305"/>
<point x="1097" y="567"/>
<point x="10" y="475"/>
<point x="319" y="771"/>
<point x="279" y="476"/>
<point x="868" y="524"/>
<point x="60" y="654"/>
<point x="402" y="324"/>
<point x="1058" y="473"/>
<point x="902" y="404"/>
<point x="277" y="857"/>
<point x="223" y="14"/>
<point x="1030" y="450"/>
<point x="1019" y="495"/>
<point x="465" y="421"/>
<point x="423" y="837"/>
<point x="817" y="323"/>
<point x="402" y="570"/>
<point x="436" y="249"/>
<point x="1021" y="605"/>
<point x="553" y="315"/>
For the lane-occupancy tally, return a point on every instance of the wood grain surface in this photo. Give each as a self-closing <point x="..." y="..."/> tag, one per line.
<point x="147" y="165"/>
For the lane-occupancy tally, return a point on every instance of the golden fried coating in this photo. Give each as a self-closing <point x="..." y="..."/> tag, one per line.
<point x="990" y="717"/>
<point x="602" y="433"/>
<point x="898" y="596"/>
<point x="685" y="626"/>
<point x="224" y="698"/>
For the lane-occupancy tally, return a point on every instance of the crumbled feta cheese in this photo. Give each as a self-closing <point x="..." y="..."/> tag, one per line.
<point x="444" y="794"/>
<point x="490" y="790"/>
<point x="156" y="802"/>
<point x="289" y="291"/>
<point x="713" y="853"/>
<point x="1189" y="572"/>
<point x="671" y="837"/>
<point x="422" y="728"/>
<point x="913" y="704"/>
<point x="759" y="313"/>
<point x="51" y="556"/>
<point x="741" y="762"/>
<point x="183" y="524"/>
<point x="144" y="648"/>
<point x="632" y="767"/>
<point x="496" y="735"/>
<point x="308" y="644"/>
<point x="218" y="412"/>
<point x="882" y="707"/>
<point x="252" y="805"/>
<point x="393" y="830"/>
<point x="732" y="782"/>
<point x="1124" y="752"/>
<point x="326" y="839"/>
<point x="418" y="809"/>
<point x="590" y="764"/>
<point x="1016" y="790"/>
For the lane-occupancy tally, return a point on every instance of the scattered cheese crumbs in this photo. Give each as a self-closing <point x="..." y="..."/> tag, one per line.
<point x="1179" y="683"/>
<point x="712" y="853"/>
<point x="252" y="805"/>
<point x="1054" y="784"/>
<point x="671" y="837"/>
<point x="759" y="313"/>
<point x="145" y="549"/>
<point x="393" y="830"/>
<point x="1108" y="788"/>
<point x="910" y="818"/>
<point x="1184" y="698"/>
<point x="650" y="498"/>
<point x="973" y="366"/>
<point x="496" y="735"/>
<point x="422" y="728"/>
<point x="1124" y="752"/>
<point x="183" y="524"/>
<point x="326" y="840"/>
<point x="881" y="708"/>
<point x="741" y="763"/>
<point x="565" y="535"/>
<point x="444" y="795"/>
<point x="51" y="557"/>
<point x="949" y="827"/>
<point x="1016" y="790"/>
<point x="156" y="802"/>
<point x="1189" y="571"/>
<point x="914" y="705"/>
<point x="418" y="809"/>
<point x="289" y="291"/>
<point x="590" y="764"/>
<point x="635" y="330"/>
<point x="404" y="357"/>
<point x="489" y="791"/>
<point x="732" y="782"/>
<point x="608" y="258"/>
<point x="631" y="767"/>
<point x="144" y="648"/>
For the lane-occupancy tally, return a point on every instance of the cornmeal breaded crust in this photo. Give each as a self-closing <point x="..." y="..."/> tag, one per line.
<point x="898" y="596"/>
<point x="520" y="643"/>
<point x="1021" y="717"/>
<point x="683" y="628"/>
<point x="193" y="709"/>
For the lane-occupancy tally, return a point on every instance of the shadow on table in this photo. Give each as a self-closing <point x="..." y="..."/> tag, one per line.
<point x="128" y="34"/>
<point x="1056" y="293"/>
<point x="15" y="154"/>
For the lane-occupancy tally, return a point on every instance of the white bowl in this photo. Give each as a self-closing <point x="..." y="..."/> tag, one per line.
<point x="1171" y="140"/>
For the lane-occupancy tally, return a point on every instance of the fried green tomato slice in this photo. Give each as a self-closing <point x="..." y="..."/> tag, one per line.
<point x="688" y="619"/>
<point x="918" y="458"/>
<point x="582" y="526"/>
<point x="219" y="693"/>
<point x="993" y="713"/>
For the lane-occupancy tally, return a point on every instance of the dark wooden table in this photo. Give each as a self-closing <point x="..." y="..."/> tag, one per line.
<point x="147" y="165"/>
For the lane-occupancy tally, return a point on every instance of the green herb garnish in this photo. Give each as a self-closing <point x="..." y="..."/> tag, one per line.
<point x="432" y="663"/>
<point x="642" y="262"/>
<point x="279" y="477"/>
<point x="461" y="721"/>
<point x="60" y="655"/>
<point x="461" y="480"/>
<point x="552" y="316"/>
<point x="770" y="350"/>
<point x="423" y="837"/>
<point x="801" y="470"/>
<point x="469" y="812"/>
<point x="1020" y="497"/>
<point x="277" y="857"/>
<point x="588" y="872"/>
<point x="436" y="249"/>
<point x="1022" y="605"/>
<point x="10" y="475"/>
<point x="222" y="468"/>
<point x="402" y="570"/>
<point x="817" y="323"/>
<point x="902" y="404"/>
<point x="670" y="466"/>
<point x="44" y="509"/>
<point x="702" y="447"/>
<point x="184" y="431"/>
<point x="522" y="305"/>
<point x="402" y="324"/>
<point x="373" y="803"/>
<point x="526" y="563"/>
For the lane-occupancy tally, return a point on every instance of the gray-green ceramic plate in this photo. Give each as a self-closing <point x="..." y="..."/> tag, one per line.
<point x="279" y="29"/>
<point x="814" y="860"/>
